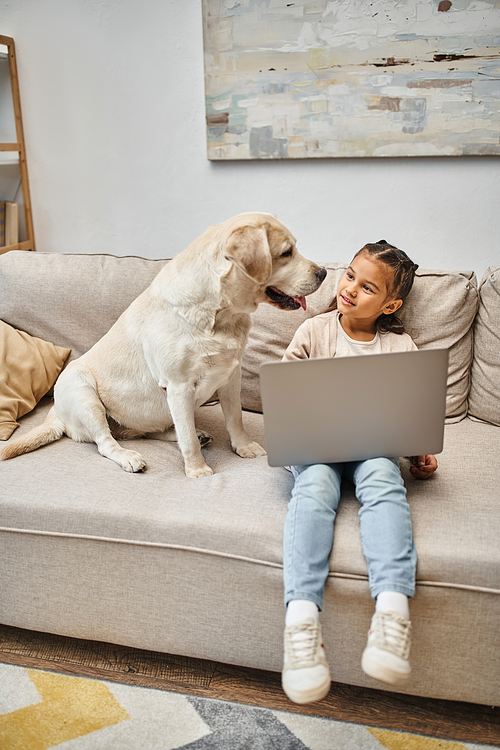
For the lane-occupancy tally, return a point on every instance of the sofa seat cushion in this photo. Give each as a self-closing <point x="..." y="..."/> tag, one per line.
<point x="69" y="488"/>
<point x="455" y="515"/>
<point x="238" y="513"/>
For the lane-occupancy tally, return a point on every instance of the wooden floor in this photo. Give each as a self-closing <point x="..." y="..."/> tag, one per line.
<point x="445" y="719"/>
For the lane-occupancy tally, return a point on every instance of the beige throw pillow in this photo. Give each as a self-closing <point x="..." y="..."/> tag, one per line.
<point x="28" y="369"/>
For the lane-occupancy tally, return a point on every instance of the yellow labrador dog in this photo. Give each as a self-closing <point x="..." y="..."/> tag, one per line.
<point x="180" y="341"/>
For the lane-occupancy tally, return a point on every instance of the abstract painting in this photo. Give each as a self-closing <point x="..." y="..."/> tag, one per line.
<point x="351" y="78"/>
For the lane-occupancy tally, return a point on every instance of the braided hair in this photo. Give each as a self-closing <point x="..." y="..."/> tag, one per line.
<point x="403" y="270"/>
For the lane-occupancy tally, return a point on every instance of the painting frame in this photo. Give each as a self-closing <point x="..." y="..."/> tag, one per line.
<point x="343" y="79"/>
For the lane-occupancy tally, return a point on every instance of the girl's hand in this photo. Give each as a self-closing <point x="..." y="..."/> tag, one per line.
<point x="422" y="467"/>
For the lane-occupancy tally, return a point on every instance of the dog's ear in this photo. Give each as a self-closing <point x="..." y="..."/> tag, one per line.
<point x="248" y="248"/>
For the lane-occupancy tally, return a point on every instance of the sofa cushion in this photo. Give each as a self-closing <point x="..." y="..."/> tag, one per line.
<point x="273" y="329"/>
<point x="151" y="560"/>
<point x="72" y="300"/>
<point x="239" y="511"/>
<point x="29" y="367"/>
<point x="484" y="399"/>
<point x="438" y="312"/>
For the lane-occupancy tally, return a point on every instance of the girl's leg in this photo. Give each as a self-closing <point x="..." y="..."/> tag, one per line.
<point x="389" y="550"/>
<point x="385" y="524"/>
<point x="308" y="532"/>
<point x="307" y="542"/>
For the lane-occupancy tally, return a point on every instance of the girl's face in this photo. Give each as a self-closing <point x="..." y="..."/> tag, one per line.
<point x="364" y="293"/>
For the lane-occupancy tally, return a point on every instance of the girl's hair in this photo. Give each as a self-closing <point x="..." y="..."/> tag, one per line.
<point x="403" y="273"/>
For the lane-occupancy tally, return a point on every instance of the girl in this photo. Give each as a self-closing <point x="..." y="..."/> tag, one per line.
<point x="361" y="320"/>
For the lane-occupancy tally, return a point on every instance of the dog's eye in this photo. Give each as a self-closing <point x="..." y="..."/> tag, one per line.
<point x="287" y="253"/>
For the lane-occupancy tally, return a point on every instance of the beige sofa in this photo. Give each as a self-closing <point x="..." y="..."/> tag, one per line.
<point x="162" y="562"/>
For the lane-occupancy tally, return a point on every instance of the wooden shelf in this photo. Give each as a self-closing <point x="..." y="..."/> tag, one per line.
<point x="5" y="150"/>
<point x="17" y="147"/>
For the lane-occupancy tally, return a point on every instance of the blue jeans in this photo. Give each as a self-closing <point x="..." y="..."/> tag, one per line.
<point x="385" y="525"/>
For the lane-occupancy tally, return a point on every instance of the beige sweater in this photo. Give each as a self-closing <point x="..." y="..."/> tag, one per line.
<point x="317" y="337"/>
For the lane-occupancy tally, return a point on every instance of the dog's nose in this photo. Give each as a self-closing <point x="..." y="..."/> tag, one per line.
<point x="320" y="274"/>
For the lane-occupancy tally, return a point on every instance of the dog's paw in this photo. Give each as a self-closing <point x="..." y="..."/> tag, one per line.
<point x="132" y="461"/>
<point x="204" y="438"/>
<point x="200" y="471"/>
<point x="250" y="450"/>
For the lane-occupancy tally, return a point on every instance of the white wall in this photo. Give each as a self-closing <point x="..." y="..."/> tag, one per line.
<point x="113" y="107"/>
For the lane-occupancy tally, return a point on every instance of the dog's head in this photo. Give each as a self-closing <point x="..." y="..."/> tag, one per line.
<point x="264" y="251"/>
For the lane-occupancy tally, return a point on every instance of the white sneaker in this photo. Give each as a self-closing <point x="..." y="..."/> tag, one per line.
<point x="306" y="676"/>
<point x="386" y="656"/>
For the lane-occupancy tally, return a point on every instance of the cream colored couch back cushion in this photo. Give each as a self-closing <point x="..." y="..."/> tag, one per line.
<point x="484" y="399"/>
<point x="439" y="312"/>
<point x="73" y="300"/>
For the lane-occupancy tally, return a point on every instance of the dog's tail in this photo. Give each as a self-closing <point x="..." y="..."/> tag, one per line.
<point x="50" y="430"/>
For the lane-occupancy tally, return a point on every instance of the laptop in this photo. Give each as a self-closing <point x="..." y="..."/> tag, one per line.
<point x="354" y="408"/>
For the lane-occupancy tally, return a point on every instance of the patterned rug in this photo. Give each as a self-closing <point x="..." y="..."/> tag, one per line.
<point x="41" y="710"/>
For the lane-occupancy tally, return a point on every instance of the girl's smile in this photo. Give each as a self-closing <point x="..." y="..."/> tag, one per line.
<point x="345" y="300"/>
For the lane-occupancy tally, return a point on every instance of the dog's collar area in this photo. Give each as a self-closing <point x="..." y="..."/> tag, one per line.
<point x="285" y="301"/>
